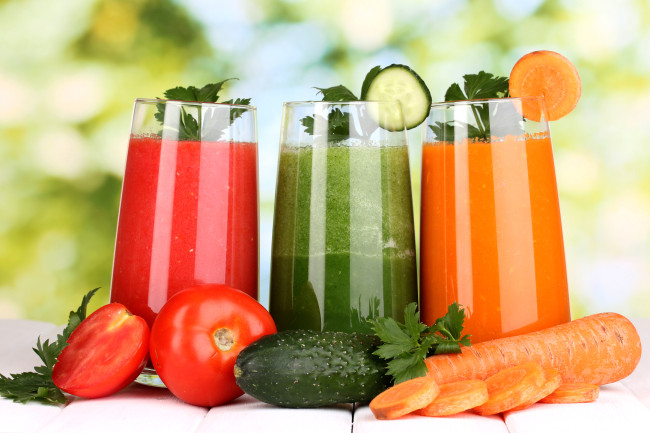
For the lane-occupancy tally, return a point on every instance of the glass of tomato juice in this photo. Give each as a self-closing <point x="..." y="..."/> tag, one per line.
<point x="343" y="235"/>
<point x="491" y="235"/>
<point x="189" y="204"/>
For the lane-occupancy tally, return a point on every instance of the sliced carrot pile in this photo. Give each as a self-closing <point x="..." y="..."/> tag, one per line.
<point x="552" y="381"/>
<point x="404" y="398"/>
<point x="550" y="75"/>
<point x="511" y="387"/>
<point x="456" y="397"/>
<point x="573" y="393"/>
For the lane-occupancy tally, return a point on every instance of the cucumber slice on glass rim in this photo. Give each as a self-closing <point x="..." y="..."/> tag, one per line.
<point x="399" y="83"/>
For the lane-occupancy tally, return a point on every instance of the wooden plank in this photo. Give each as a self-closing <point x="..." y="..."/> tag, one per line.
<point x="137" y="408"/>
<point x="616" y="410"/>
<point x="249" y="415"/>
<point x="18" y="338"/>
<point x="466" y="422"/>
<point x="25" y="418"/>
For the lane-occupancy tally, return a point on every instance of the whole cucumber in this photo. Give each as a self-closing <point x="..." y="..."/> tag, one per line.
<point x="303" y="368"/>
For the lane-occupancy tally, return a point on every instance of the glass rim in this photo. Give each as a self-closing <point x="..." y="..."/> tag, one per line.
<point x="193" y="103"/>
<point x="488" y="100"/>
<point x="364" y="102"/>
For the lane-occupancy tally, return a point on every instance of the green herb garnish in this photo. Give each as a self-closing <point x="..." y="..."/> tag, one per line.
<point x="338" y="121"/>
<point x="406" y="345"/>
<point x="476" y="86"/>
<point x="37" y="385"/>
<point x="190" y="125"/>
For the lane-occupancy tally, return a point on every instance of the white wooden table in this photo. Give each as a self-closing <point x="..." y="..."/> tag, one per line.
<point x="622" y="407"/>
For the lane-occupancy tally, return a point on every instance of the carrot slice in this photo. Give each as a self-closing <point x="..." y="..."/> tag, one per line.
<point x="404" y="398"/>
<point x="511" y="387"/>
<point x="552" y="381"/>
<point x="573" y="393"/>
<point x="456" y="397"/>
<point x="550" y="75"/>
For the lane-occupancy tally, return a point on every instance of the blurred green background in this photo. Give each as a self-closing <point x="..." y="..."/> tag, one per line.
<point x="70" y="70"/>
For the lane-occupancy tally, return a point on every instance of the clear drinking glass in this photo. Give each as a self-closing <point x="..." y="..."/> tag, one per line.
<point x="491" y="234"/>
<point x="343" y="237"/>
<point x="189" y="206"/>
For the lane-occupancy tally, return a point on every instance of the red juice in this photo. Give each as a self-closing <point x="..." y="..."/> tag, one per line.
<point x="188" y="216"/>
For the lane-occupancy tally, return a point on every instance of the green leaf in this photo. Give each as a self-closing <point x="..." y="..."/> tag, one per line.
<point x="338" y="93"/>
<point x="454" y="93"/>
<point x="405" y="346"/>
<point x="392" y="350"/>
<point x="405" y="368"/>
<point x="308" y="123"/>
<point x="30" y="386"/>
<point x="412" y="321"/>
<point x="338" y="125"/>
<point x="189" y="127"/>
<point x="476" y="86"/>
<point x="182" y="94"/>
<point x="366" y="82"/>
<point x="485" y="85"/>
<point x="390" y="331"/>
<point x="210" y="92"/>
<point x="444" y="131"/>
<point x="453" y="320"/>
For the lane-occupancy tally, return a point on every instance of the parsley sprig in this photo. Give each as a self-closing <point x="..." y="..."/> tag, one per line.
<point x="190" y="127"/>
<point x="406" y="345"/>
<point x="476" y="86"/>
<point x="37" y="385"/>
<point x="339" y="126"/>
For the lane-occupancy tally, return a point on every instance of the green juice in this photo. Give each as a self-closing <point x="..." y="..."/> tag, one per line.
<point x="343" y="237"/>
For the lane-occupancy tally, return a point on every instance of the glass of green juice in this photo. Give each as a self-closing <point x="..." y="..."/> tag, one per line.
<point x="343" y="237"/>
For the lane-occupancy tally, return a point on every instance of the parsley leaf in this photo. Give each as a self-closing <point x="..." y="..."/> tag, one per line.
<point x="37" y="385"/>
<point x="191" y="126"/>
<point x="366" y="82"/>
<point x="483" y="85"/>
<point x="236" y="113"/>
<point x="338" y="122"/>
<point x="338" y="93"/>
<point x="406" y="345"/>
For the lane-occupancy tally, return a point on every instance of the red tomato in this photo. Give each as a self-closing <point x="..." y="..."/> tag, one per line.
<point x="197" y="336"/>
<point x="105" y="353"/>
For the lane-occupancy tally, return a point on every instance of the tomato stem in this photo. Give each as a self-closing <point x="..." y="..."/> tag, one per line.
<point x="224" y="339"/>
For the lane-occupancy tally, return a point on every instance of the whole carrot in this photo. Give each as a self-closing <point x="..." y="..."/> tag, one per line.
<point x="599" y="349"/>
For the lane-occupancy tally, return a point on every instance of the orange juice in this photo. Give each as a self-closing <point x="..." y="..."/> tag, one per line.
<point x="491" y="235"/>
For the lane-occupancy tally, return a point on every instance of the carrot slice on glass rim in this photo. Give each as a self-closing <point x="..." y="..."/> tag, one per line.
<point x="511" y="387"/>
<point x="573" y="393"/>
<point x="404" y="398"/>
<point x="456" y="397"/>
<point x="549" y="75"/>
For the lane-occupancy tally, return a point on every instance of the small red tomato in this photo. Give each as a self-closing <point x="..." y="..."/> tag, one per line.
<point x="105" y="353"/>
<point x="197" y="336"/>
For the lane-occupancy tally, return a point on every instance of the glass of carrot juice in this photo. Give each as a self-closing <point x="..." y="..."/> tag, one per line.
<point x="189" y="204"/>
<point x="491" y="235"/>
